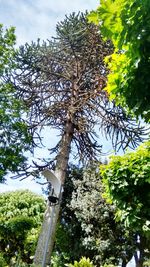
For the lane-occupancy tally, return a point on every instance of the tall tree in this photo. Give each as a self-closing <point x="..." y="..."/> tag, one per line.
<point x="15" y="138"/>
<point x="61" y="82"/>
<point x="127" y="182"/>
<point x="126" y="24"/>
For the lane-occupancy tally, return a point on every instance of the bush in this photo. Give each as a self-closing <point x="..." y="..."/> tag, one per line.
<point x="21" y="215"/>
<point x="82" y="263"/>
<point x="2" y="261"/>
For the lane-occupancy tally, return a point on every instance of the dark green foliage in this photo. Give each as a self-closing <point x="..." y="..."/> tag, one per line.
<point x="106" y="240"/>
<point x="13" y="234"/>
<point x="68" y="245"/>
<point x="88" y="227"/>
<point x="2" y="260"/>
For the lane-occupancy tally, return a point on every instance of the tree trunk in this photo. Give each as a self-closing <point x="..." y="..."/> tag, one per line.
<point x="139" y="255"/>
<point x="124" y="264"/>
<point x="47" y="235"/>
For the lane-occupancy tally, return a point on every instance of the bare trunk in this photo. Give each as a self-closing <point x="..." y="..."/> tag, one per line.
<point x="47" y="235"/>
<point x="139" y="255"/>
<point x="124" y="264"/>
<point x="138" y="260"/>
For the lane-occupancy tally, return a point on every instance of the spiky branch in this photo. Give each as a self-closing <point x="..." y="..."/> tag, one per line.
<point x="63" y="80"/>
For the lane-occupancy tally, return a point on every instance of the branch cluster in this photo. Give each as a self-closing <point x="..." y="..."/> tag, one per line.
<point x="63" y="80"/>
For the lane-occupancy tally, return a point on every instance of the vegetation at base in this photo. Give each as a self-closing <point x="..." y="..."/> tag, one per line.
<point x="85" y="228"/>
<point x="126" y="24"/>
<point x="68" y="228"/>
<point x="84" y="262"/>
<point x="127" y="182"/>
<point x="21" y="214"/>
<point x="2" y="260"/>
<point x="87" y="223"/>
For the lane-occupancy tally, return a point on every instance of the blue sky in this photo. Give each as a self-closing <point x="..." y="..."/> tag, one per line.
<point x="35" y="19"/>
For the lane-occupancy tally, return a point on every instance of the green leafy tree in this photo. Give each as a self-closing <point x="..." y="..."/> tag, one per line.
<point x="21" y="214"/>
<point x="127" y="183"/>
<point x="126" y="24"/>
<point x="105" y="240"/>
<point x="14" y="134"/>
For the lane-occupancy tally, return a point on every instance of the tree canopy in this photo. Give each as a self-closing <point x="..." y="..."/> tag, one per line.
<point x="104" y="239"/>
<point x="87" y="224"/>
<point x="61" y="82"/>
<point x="14" y="133"/>
<point x="126" y="24"/>
<point x="21" y="215"/>
<point x="127" y="184"/>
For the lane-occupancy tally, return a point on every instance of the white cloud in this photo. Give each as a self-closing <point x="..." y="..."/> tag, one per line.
<point x="34" y="19"/>
<point x="66" y="6"/>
